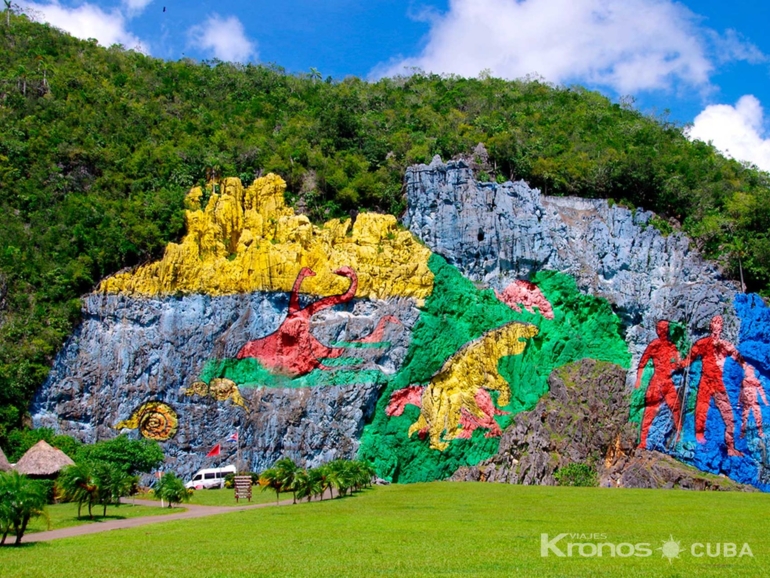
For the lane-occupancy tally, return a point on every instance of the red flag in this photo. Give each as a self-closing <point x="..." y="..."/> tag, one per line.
<point x="215" y="451"/>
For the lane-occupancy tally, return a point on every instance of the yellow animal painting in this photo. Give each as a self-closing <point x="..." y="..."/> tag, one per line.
<point x="453" y="388"/>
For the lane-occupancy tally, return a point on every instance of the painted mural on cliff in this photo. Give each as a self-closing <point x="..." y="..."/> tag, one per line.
<point x="363" y="312"/>
<point x="414" y="349"/>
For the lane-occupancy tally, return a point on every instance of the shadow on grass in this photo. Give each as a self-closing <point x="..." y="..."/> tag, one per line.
<point x="9" y="544"/>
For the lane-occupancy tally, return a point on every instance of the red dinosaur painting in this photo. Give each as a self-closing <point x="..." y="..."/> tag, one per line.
<point x="292" y="349"/>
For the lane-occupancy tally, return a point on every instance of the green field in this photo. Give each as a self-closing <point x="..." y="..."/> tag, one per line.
<point x="66" y="515"/>
<point x="226" y="497"/>
<point x="437" y="529"/>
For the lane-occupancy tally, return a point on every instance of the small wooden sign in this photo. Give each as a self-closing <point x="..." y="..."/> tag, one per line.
<point x="242" y="485"/>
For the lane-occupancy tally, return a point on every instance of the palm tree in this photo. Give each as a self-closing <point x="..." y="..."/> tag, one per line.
<point x="171" y="488"/>
<point x="336" y="477"/>
<point x="20" y="500"/>
<point x="287" y="472"/>
<point x="78" y="484"/>
<point x="113" y="483"/>
<point x="302" y="485"/>
<point x="315" y="482"/>
<point x="324" y="481"/>
<point x="368" y="471"/>
<point x="271" y="478"/>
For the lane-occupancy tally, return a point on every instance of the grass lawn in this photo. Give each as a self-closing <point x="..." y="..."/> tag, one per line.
<point x="65" y="515"/>
<point x="226" y="497"/>
<point x="438" y="529"/>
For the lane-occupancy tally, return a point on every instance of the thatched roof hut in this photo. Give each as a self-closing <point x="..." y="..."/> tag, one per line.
<point x="42" y="461"/>
<point x="4" y="465"/>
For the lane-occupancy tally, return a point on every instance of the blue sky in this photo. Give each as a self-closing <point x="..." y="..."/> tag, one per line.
<point x="707" y="62"/>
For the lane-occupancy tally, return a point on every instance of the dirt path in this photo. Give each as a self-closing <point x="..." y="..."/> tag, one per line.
<point x="191" y="512"/>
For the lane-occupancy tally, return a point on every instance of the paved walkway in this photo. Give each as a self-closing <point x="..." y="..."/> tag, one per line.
<point x="191" y="512"/>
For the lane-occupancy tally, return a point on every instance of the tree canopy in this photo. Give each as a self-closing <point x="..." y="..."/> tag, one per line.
<point x="99" y="145"/>
<point x="131" y="456"/>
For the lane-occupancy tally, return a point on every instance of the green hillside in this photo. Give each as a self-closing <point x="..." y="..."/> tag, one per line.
<point x="98" y="147"/>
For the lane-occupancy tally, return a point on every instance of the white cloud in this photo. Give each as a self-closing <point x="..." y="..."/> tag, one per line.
<point x="88" y="21"/>
<point x="135" y="7"/>
<point x="225" y="38"/>
<point x="629" y="45"/>
<point x="737" y="130"/>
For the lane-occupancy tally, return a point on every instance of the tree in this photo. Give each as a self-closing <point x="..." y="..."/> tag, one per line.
<point x="327" y="479"/>
<point x="314" y="484"/>
<point x="112" y="483"/>
<point x="287" y="473"/>
<point x="21" y="440"/>
<point x="171" y="488"/>
<point x="20" y="500"/>
<point x="133" y="456"/>
<point x="334" y="477"/>
<point x="79" y="484"/>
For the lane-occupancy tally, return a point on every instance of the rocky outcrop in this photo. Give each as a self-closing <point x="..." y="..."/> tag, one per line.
<point x="654" y="470"/>
<point x="246" y="239"/>
<point x="583" y="418"/>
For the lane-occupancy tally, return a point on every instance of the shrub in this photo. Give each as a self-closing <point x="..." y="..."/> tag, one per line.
<point x="171" y="488"/>
<point x="577" y="474"/>
<point x="132" y="456"/>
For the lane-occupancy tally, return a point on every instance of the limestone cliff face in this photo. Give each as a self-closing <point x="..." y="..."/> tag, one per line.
<point x="496" y="233"/>
<point x="428" y="351"/>
<point x="130" y="351"/>
<point x="246" y="239"/>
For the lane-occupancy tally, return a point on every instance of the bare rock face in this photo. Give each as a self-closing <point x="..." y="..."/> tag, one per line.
<point x="651" y="469"/>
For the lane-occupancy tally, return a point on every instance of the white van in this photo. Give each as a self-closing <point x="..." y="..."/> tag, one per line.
<point x="210" y="478"/>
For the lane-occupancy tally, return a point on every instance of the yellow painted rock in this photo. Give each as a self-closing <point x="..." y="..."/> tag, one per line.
<point x="247" y="239"/>
<point x="155" y="420"/>
<point x="220" y="389"/>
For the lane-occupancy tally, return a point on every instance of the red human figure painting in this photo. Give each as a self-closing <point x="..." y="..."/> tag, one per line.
<point x="665" y="361"/>
<point x="292" y="349"/>
<point x="529" y="295"/>
<point x="751" y="391"/>
<point x="713" y="351"/>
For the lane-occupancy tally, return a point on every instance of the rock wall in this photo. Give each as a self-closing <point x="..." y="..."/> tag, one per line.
<point x="699" y="349"/>
<point x="128" y="352"/>
<point x="419" y="350"/>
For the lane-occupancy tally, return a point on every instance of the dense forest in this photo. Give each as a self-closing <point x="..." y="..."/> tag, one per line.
<point x="99" y="145"/>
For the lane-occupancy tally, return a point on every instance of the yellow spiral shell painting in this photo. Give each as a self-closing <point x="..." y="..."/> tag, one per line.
<point x="155" y="420"/>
